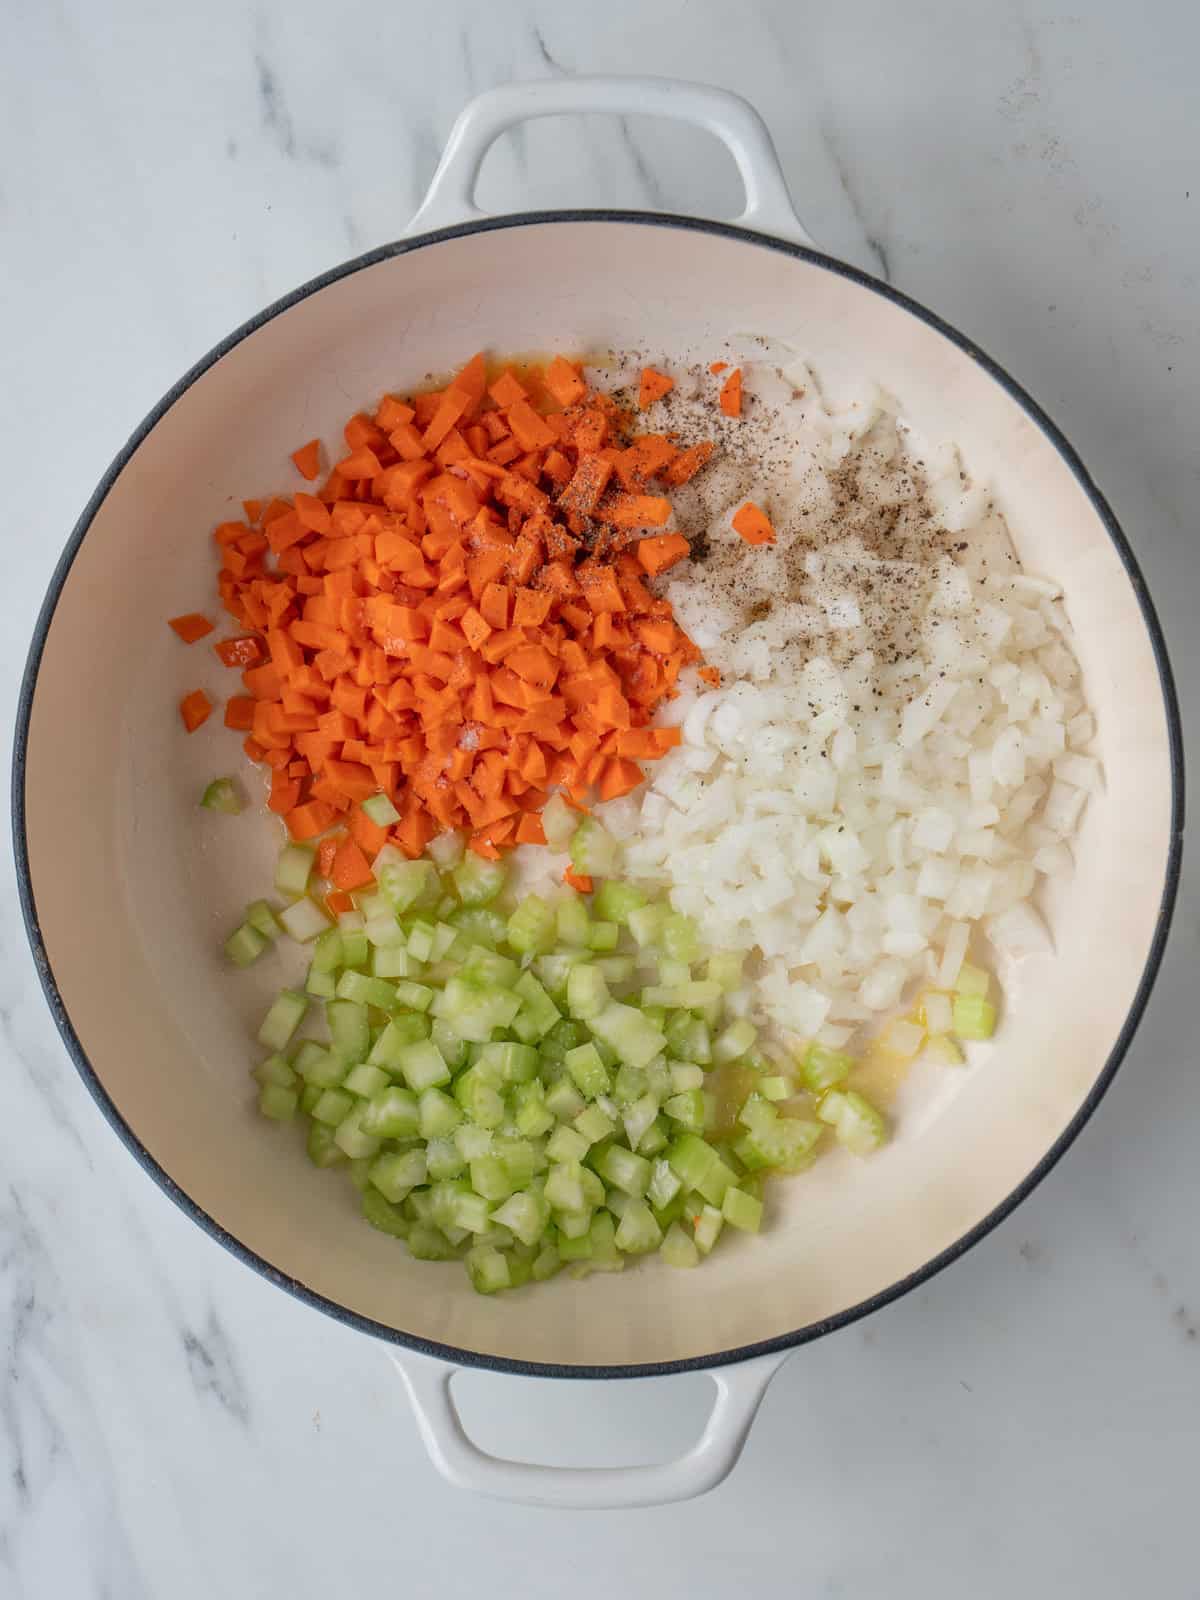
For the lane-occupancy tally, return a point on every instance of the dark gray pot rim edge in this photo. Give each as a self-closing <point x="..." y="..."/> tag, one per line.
<point x="482" y="1359"/>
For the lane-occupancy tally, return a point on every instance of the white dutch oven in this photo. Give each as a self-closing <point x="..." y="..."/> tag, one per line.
<point x="127" y="897"/>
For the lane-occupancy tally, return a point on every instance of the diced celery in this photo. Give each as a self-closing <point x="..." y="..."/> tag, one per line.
<point x="974" y="1017"/>
<point x="687" y="1109"/>
<point x="680" y="938"/>
<point x="587" y="1070"/>
<point x="822" y="1068"/>
<point x="399" y="1033"/>
<point x="691" y="1159"/>
<point x="278" y="1103"/>
<point x="479" y="925"/>
<point x="572" y="921"/>
<point x="741" y="1210"/>
<point x="637" y="1231"/>
<point x="473" y="1010"/>
<point x="531" y="927"/>
<point x="443" y="1159"/>
<point x="447" y="849"/>
<point x="616" y="969"/>
<point x="477" y="881"/>
<point x="392" y="1112"/>
<point x="715" y="1182"/>
<point x="423" y="1065"/>
<point x="222" y="795"/>
<point x="381" y="810"/>
<point x="520" y="1158"/>
<point x="734" y="1041"/>
<point x="564" y="1186"/>
<point x="567" y="1144"/>
<point x="451" y="1044"/>
<point x="356" y="947"/>
<point x="564" y="1101"/>
<point x="513" y="1063"/>
<point x="427" y="1243"/>
<point x="593" y="850"/>
<point x="614" y="901"/>
<point x="629" y="1085"/>
<point x="327" y="952"/>
<point x="587" y="992"/>
<point x="677" y="1250"/>
<point x="574" y="1249"/>
<point x="349" y="1031"/>
<point x="479" y="1099"/>
<point x="294" y="868"/>
<point x="635" y="1039"/>
<point x="366" y="1081"/>
<point x="664" y="1184"/>
<point x="774" y="1088"/>
<point x="489" y="1179"/>
<point x="381" y="1214"/>
<point x="538" y="1012"/>
<point x="940" y="1047"/>
<point x="472" y="1141"/>
<point x="405" y="883"/>
<point x="725" y="967"/>
<point x="688" y="1039"/>
<point x="352" y="1137"/>
<point x="971" y="981"/>
<point x="858" y="1126"/>
<point x="261" y="916"/>
<point x="645" y="924"/>
<point x="573" y="1224"/>
<point x="366" y="991"/>
<point x="532" y="1115"/>
<point x="708" y="1229"/>
<point x="624" y="1170"/>
<point x="394" y="961"/>
<point x="245" y="945"/>
<point x="275" y="1069"/>
<point x="303" y="920"/>
<point x="322" y="1148"/>
<point x="686" y="1075"/>
<point x="396" y="1173"/>
<point x="523" y="1214"/>
<point x="545" y="1264"/>
<point x="594" y="1124"/>
<point x="332" y="1107"/>
<point x="282" y="1020"/>
<point x="603" y="936"/>
<point x="438" y="1115"/>
<point x="656" y="1137"/>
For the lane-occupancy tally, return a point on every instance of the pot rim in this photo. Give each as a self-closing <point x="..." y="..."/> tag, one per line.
<point x="482" y="1359"/>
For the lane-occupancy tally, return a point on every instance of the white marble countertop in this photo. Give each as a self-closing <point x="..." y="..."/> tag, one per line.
<point x="170" y="1425"/>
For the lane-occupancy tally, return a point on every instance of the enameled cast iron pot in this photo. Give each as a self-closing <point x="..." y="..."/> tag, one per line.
<point x="127" y="898"/>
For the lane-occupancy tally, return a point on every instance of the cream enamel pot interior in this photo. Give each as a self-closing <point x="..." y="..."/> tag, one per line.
<point x="127" y="898"/>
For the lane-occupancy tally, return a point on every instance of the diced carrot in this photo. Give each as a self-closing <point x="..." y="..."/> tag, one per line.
<point x="338" y="901"/>
<point x="635" y="511"/>
<point x="688" y="463"/>
<point x="326" y="850"/>
<point x="191" y="627"/>
<point x="247" y="651"/>
<point x="578" y="880"/>
<point x="351" y="869"/>
<point x="653" y="386"/>
<point x="195" y="709"/>
<point x="239" y="713"/>
<point x="717" y="366"/>
<point x="433" y="624"/>
<point x="308" y="459"/>
<point x="507" y="389"/>
<point x="662" y="552"/>
<point x="564" y="383"/>
<point x="731" y="394"/>
<point x="753" y="524"/>
<point x="309" y="820"/>
<point x="711" y="675"/>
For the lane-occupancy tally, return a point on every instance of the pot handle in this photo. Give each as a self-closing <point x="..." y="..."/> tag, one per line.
<point x="740" y="1389"/>
<point x="451" y="195"/>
